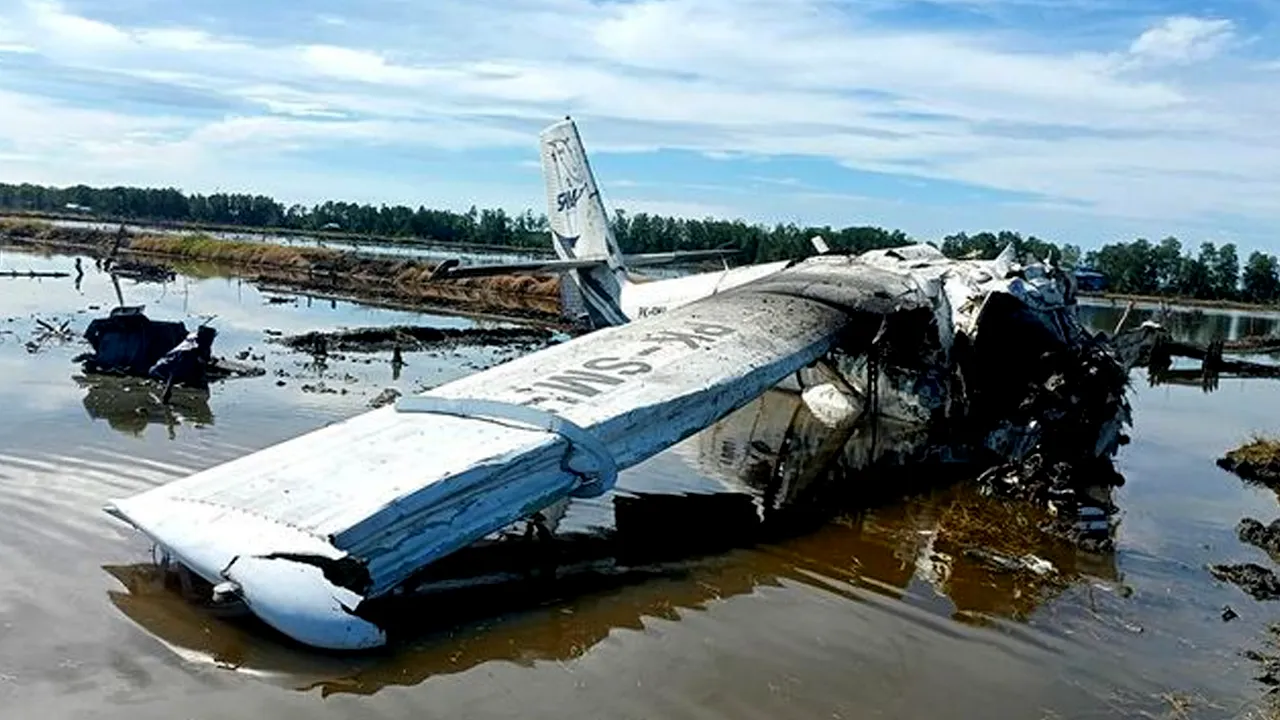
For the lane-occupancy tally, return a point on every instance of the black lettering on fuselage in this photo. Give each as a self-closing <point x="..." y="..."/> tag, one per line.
<point x="622" y="367"/>
<point x="579" y="382"/>
<point x="700" y="334"/>
<point x="596" y="375"/>
<point x="690" y="339"/>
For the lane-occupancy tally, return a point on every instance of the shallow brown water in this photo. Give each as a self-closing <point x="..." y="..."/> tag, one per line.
<point x="873" y="613"/>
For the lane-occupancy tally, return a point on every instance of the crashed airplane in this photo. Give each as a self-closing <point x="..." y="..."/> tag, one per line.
<point x="309" y="534"/>
<point x="976" y="362"/>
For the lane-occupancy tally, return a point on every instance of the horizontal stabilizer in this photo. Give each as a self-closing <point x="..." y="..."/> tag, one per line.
<point x="667" y="258"/>
<point x="452" y="269"/>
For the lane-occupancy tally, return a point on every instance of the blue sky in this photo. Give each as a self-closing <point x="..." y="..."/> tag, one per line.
<point x="1081" y="121"/>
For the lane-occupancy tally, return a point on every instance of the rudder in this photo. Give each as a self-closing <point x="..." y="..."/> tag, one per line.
<point x="579" y="223"/>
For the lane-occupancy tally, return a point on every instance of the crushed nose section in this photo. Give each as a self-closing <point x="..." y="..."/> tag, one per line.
<point x="293" y="580"/>
<point x="294" y="597"/>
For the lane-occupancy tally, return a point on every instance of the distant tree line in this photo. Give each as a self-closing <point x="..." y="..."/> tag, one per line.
<point x="639" y="233"/>
<point x="1213" y="273"/>
<point x="1137" y="267"/>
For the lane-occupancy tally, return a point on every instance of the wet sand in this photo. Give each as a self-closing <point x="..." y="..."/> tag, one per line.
<point x="868" y="614"/>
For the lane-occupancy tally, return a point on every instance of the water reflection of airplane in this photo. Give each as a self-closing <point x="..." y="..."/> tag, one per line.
<point x="759" y="515"/>
<point x="129" y="405"/>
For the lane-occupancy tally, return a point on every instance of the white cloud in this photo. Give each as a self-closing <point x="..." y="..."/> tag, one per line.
<point x="1125" y="131"/>
<point x="63" y="27"/>
<point x="346" y="64"/>
<point x="1183" y="39"/>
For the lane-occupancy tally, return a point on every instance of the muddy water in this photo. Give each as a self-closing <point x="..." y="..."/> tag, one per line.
<point x="875" y="612"/>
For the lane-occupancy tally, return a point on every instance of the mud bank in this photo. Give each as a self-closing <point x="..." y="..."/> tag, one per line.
<point x="312" y="269"/>
<point x="1264" y="537"/>
<point x="413" y="337"/>
<point x="1259" y="582"/>
<point x="275" y="232"/>
<point x="1256" y="461"/>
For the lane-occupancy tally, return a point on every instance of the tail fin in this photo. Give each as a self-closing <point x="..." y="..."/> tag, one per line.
<point x="579" y="224"/>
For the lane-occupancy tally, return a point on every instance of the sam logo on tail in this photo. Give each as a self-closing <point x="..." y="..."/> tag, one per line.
<point x="569" y="199"/>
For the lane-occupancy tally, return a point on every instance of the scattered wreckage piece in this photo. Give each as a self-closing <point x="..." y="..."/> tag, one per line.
<point x="46" y="332"/>
<point x="312" y="532"/>
<point x="140" y="271"/>
<point x="129" y="343"/>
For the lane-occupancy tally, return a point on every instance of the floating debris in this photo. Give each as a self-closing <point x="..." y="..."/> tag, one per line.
<point x="1259" y="582"/>
<point x="48" y="332"/>
<point x="320" y="388"/>
<point x="127" y="342"/>
<point x="141" y="271"/>
<point x="386" y="397"/>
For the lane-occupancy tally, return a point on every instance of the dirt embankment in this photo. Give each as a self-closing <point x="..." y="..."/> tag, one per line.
<point x="413" y="337"/>
<point x="310" y="268"/>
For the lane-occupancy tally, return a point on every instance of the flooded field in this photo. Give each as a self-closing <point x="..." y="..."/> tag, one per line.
<point x="879" y="608"/>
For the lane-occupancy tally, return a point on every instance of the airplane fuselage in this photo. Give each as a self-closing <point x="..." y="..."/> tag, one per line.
<point x="654" y="297"/>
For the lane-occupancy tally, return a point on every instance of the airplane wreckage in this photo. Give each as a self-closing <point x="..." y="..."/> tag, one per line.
<point x="987" y="359"/>
<point x="977" y="364"/>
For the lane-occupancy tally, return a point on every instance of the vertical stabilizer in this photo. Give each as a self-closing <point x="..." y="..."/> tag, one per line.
<point x="579" y="224"/>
